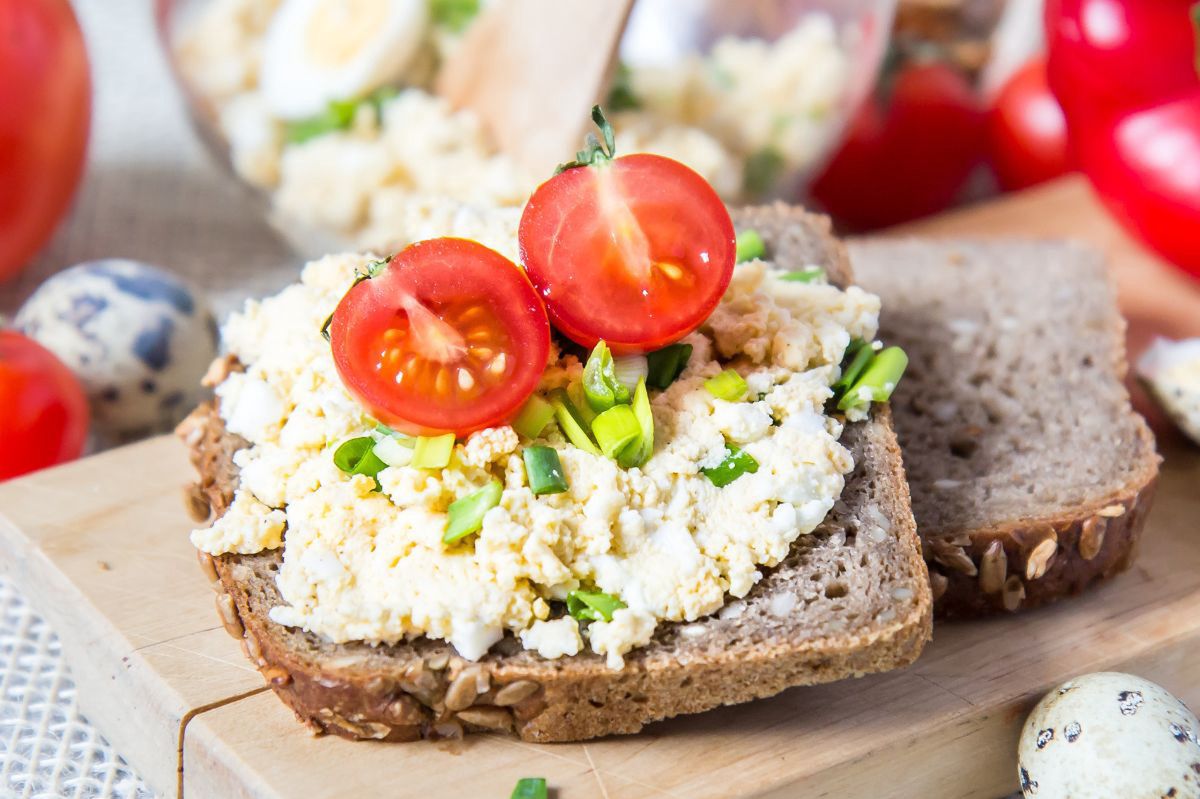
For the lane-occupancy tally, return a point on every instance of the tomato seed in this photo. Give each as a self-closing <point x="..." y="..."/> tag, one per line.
<point x="465" y="380"/>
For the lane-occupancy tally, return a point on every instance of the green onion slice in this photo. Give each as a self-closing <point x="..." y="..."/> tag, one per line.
<point x="465" y="515"/>
<point x="393" y="451"/>
<point x="600" y="384"/>
<point x="382" y="430"/>
<point x="736" y="464"/>
<point x="664" y="366"/>
<point x="749" y="245"/>
<point x="629" y="369"/>
<point x="544" y="470"/>
<point x="433" y="452"/>
<point x="357" y="456"/>
<point x="592" y="605"/>
<point x="810" y="274"/>
<point x="858" y="354"/>
<point x="878" y="380"/>
<point x="530" y="788"/>
<point x="583" y="411"/>
<point x="533" y="417"/>
<point x="728" y="385"/>
<point x="639" y="451"/>
<point x="615" y="429"/>
<point x="573" y="427"/>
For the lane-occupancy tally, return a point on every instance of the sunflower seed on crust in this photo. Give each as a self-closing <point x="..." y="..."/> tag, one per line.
<point x="1014" y="592"/>
<point x="993" y="568"/>
<point x="276" y="675"/>
<point x="438" y="661"/>
<point x="954" y="557"/>
<point x="207" y="566"/>
<point x="515" y="692"/>
<point x="447" y="729"/>
<point x="463" y="689"/>
<point x="229" y="617"/>
<point x="403" y="711"/>
<point x="938" y="583"/>
<point x="196" y="503"/>
<point x="253" y="650"/>
<point x="1039" y="559"/>
<point x="490" y="718"/>
<point x="1112" y="511"/>
<point x="1091" y="537"/>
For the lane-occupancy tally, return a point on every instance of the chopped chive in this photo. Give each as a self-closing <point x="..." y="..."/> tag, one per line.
<point x="433" y="452"/>
<point x="600" y="384"/>
<point x="639" y="451"/>
<point x="728" y="385"/>
<point x="544" y="470"/>
<point x="393" y="451"/>
<point x="664" y="366"/>
<point x="749" y="245"/>
<point x="530" y="788"/>
<point x="615" y="429"/>
<point x="736" y="463"/>
<point x="568" y="419"/>
<point x="465" y="515"/>
<point x="357" y="456"/>
<point x="533" y="417"/>
<point x="858" y="355"/>
<point x="877" y="381"/>
<point x="592" y="605"/>
<point x="809" y="274"/>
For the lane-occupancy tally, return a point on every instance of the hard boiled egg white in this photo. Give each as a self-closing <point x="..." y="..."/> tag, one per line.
<point x="1110" y="736"/>
<point x="317" y="51"/>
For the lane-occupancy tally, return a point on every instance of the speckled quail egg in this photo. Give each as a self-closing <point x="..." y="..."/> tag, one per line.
<point x="1171" y="371"/>
<point x="1109" y="736"/>
<point x="137" y="337"/>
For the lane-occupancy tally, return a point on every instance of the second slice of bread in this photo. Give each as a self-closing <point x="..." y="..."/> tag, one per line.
<point x="1031" y="474"/>
<point x="852" y="598"/>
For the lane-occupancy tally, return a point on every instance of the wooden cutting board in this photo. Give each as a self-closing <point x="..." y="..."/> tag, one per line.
<point x="100" y="547"/>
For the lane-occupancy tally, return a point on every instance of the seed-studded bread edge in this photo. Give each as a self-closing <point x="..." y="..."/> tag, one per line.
<point x="501" y="697"/>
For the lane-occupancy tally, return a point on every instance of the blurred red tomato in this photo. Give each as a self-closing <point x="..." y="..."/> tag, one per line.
<point x="45" y="109"/>
<point x="43" y="411"/>
<point x="1027" y="131"/>
<point x="906" y="155"/>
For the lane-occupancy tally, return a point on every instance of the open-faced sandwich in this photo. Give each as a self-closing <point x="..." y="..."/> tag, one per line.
<point x="649" y="473"/>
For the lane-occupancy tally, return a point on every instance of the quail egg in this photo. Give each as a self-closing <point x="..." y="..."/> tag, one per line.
<point x="137" y="337"/>
<point x="1109" y="736"/>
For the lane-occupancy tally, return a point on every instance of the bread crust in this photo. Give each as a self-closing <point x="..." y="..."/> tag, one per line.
<point x="422" y="688"/>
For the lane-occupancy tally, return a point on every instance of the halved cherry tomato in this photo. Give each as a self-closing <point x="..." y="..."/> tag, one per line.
<point x="449" y="336"/>
<point x="1027" y="131"/>
<point x="636" y="250"/>
<point x="43" y="411"/>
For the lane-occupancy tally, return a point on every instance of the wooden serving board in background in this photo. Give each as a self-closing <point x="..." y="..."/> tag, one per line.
<point x="100" y="547"/>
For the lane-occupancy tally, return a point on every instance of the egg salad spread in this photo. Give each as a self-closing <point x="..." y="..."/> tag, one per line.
<point x="365" y="556"/>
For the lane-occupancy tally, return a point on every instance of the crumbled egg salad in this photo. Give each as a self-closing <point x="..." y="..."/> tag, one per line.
<point x="744" y="461"/>
<point x="1171" y="370"/>
<point x="327" y="104"/>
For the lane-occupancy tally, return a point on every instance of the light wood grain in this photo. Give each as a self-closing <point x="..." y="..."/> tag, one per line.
<point x="531" y="69"/>
<point x="153" y="664"/>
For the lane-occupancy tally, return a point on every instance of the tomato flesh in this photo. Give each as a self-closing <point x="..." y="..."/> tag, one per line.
<point x="1027" y="130"/>
<point x="449" y="337"/>
<point x="43" y="410"/>
<point x="636" y="251"/>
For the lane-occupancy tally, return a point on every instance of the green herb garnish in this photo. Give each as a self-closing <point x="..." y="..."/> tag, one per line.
<point x="544" y="470"/>
<point x="433" y="452"/>
<point x="858" y="354"/>
<point x="638" y="452"/>
<point x="530" y="788"/>
<point x="615" y="429"/>
<point x="877" y="381"/>
<point x="667" y="364"/>
<point x="600" y="384"/>
<point x="761" y="171"/>
<point x="728" y="385"/>
<point x="592" y="605"/>
<point x="810" y="274"/>
<point x="749" y="245"/>
<point x="533" y="417"/>
<point x="338" y="115"/>
<point x="573" y="426"/>
<point x="465" y="516"/>
<point x="357" y="456"/>
<point x="736" y="464"/>
<point x="453" y="15"/>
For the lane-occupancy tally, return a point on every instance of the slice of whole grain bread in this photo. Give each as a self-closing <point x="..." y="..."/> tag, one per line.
<point x="852" y="598"/>
<point x="1031" y="474"/>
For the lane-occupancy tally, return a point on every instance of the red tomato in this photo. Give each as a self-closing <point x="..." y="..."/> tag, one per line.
<point x="45" y="108"/>
<point x="910" y="158"/>
<point x="43" y="410"/>
<point x="448" y="337"/>
<point x="1027" y="130"/>
<point x="636" y="251"/>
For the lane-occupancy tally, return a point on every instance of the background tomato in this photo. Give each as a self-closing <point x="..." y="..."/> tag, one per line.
<point x="908" y="153"/>
<point x="43" y="411"/>
<point x="1027" y="131"/>
<point x="45" y="109"/>
<point x="636" y="251"/>
<point x="448" y="337"/>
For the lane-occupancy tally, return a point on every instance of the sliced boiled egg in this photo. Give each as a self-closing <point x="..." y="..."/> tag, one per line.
<point x="318" y="51"/>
